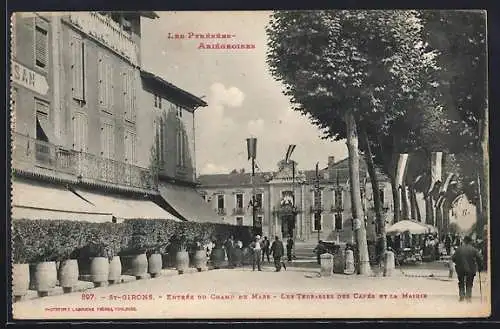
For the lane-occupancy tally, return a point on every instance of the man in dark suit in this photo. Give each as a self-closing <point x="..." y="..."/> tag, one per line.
<point x="278" y="250"/>
<point x="467" y="261"/>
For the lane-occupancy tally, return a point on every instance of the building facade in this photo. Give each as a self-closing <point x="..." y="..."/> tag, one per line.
<point x="84" y="121"/>
<point x="288" y="205"/>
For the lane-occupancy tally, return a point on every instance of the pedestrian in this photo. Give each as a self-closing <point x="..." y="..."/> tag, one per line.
<point x="229" y="245"/>
<point x="265" y="249"/>
<point x="255" y="246"/>
<point x="277" y="251"/>
<point x="467" y="261"/>
<point x="447" y="244"/>
<point x="289" y="248"/>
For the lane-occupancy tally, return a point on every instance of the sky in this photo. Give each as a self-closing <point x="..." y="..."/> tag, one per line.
<point x="243" y="98"/>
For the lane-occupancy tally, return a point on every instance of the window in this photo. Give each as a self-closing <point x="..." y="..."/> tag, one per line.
<point x="179" y="112"/>
<point x="258" y="221"/>
<point x="78" y="67"/>
<point x="339" y="202"/>
<point x="381" y="194"/>
<point x="130" y="147"/>
<point x="157" y="101"/>
<point x="42" y="120"/>
<point x="80" y="132"/>
<point x="338" y="222"/>
<point x="258" y="200"/>
<point x="239" y="200"/>
<point x="41" y="43"/>
<point x="287" y="198"/>
<point x="160" y="139"/>
<point x="317" y="221"/>
<point x="220" y="201"/>
<point x="42" y="129"/>
<point x="129" y="94"/>
<point x="107" y="141"/>
<point x="239" y="221"/>
<point x="181" y="152"/>
<point x="204" y="197"/>
<point x="105" y="82"/>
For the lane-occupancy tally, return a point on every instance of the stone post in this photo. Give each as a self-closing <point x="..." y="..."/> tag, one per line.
<point x="389" y="263"/>
<point x="349" y="261"/>
<point x="326" y="264"/>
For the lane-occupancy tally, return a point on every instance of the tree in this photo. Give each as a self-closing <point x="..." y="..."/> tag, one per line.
<point x="460" y="38"/>
<point x="343" y="68"/>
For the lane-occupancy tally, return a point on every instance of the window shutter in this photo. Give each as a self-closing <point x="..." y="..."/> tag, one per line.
<point x="40" y="45"/>
<point x="103" y="140"/>
<point x="111" y="142"/>
<point x="80" y="132"/>
<point x="126" y="83"/>
<point x="133" y="145"/>
<point x="77" y="66"/>
<point x="133" y="95"/>
<point x="107" y="141"/>
<point x="100" y="80"/>
<point x="109" y="84"/>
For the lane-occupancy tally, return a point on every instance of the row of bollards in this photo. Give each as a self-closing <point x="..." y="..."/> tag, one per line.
<point x="326" y="268"/>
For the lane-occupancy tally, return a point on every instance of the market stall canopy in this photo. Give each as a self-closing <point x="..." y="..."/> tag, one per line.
<point x="407" y="226"/>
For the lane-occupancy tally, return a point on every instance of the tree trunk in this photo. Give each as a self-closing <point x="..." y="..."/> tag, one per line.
<point x="395" y="197"/>
<point x="356" y="205"/>
<point x="484" y="178"/>
<point x="404" y="206"/>
<point x="380" y="231"/>
<point x="429" y="210"/>
<point x="413" y="203"/>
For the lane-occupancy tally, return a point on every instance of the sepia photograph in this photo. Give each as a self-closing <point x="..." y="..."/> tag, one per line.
<point x="307" y="164"/>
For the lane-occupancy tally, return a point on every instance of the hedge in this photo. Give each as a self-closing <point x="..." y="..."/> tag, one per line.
<point x="35" y="241"/>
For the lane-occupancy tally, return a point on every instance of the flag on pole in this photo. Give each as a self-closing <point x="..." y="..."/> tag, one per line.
<point x="289" y="152"/>
<point x="252" y="148"/>
<point x="401" y="169"/>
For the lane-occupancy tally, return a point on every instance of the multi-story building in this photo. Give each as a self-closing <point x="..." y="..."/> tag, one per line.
<point x="81" y="111"/>
<point x="288" y="205"/>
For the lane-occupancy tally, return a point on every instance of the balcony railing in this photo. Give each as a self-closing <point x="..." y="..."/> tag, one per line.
<point x="221" y="211"/>
<point x="107" y="31"/>
<point x="238" y="211"/>
<point x="95" y="168"/>
<point x="29" y="154"/>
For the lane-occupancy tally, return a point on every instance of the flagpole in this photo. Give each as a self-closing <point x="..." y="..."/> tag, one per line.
<point x="253" y="194"/>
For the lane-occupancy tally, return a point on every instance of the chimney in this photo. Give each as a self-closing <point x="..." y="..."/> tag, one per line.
<point x="331" y="162"/>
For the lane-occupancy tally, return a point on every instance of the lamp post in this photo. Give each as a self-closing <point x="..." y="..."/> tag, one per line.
<point x="252" y="153"/>
<point x="317" y="199"/>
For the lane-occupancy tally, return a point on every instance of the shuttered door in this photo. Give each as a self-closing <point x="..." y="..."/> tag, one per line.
<point x="80" y="132"/>
<point x="126" y="93"/>
<point x="107" y="141"/>
<point x="101" y="83"/>
<point x="41" y="42"/>
<point x="132" y="90"/>
<point x="109" y="84"/>
<point x="130" y="147"/>
<point x="77" y="66"/>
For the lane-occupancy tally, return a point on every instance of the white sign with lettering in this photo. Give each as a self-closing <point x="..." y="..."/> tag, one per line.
<point x="29" y="78"/>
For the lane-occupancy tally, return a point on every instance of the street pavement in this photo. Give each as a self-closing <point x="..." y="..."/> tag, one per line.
<point x="242" y="293"/>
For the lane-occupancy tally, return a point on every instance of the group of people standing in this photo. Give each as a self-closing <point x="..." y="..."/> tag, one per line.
<point x="262" y="248"/>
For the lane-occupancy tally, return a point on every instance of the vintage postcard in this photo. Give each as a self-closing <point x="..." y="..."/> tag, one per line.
<point x="251" y="164"/>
